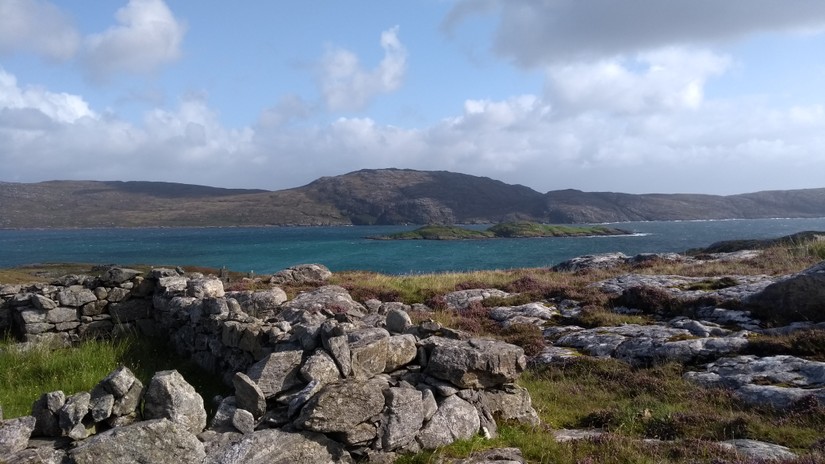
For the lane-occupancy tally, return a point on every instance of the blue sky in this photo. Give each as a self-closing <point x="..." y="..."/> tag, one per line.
<point x="632" y="96"/>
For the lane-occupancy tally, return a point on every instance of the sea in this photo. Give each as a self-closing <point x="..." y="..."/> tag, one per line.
<point x="264" y="250"/>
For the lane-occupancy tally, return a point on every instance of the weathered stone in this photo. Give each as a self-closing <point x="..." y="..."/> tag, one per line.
<point x="160" y="272"/>
<point x="62" y="315"/>
<point x="70" y="416"/>
<point x="41" y="302"/>
<point x="492" y="456"/>
<point x="262" y="303"/>
<point x="338" y="347"/>
<point x="117" y="294"/>
<point x="42" y="455"/>
<point x="169" y="396"/>
<point x="119" y="381"/>
<point x="320" y="367"/>
<point x="101" y="404"/>
<point x="455" y="419"/>
<point x="302" y="274"/>
<point x="463" y="298"/>
<point x="118" y="275"/>
<point x="130" y="310"/>
<point x="475" y="363"/>
<point x="75" y="296"/>
<point x="152" y="441"/>
<point x="530" y="313"/>
<point x="243" y="421"/>
<point x="45" y="411"/>
<point x="326" y="301"/>
<point x="759" y="450"/>
<point x="273" y="446"/>
<point x="96" y="329"/>
<point x="300" y="399"/>
<point x="222" y="420"/>
<point x="800" y="297"/>
<point x="30" y="315"/>
<point x="172" y="285"/>
<point x="398" y="320"/>
<point x="404" y="417"/>
<point x="100" y="293"/>
<point x="248" y="395"/>
<point x="205" y="288"/>
<point x="368" y="351"/>
<point x="586" y="262"/>
<point x="401" y="350"/>
<point x="94" y="308"/>
<point x="776" y="381"/>
<point x="14" y="434"/>
<point x="277" y="372"/>
<point x="127" y="404"/>
<point x="340" y="406"/>
<point x="510" y="404"/>
<point x="428" y="404"/>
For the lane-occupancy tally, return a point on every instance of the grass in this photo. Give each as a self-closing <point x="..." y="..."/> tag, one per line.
<point x="25" y="375"/>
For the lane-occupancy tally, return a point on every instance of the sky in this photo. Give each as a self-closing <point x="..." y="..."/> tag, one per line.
<point x="636" y="96"/>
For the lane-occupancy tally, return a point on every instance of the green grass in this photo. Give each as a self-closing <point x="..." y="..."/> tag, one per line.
<point x="25" y="375"/>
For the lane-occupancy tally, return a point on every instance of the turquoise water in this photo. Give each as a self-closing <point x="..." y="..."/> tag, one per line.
<point x="268" y="249"/>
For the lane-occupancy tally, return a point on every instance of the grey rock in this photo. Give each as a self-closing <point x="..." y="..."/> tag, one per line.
<point x="222" y="420"/>
<point x="800" y="297"/>
<point x="326" y="301"/>
<point x="428" y="404"/>
<point x="320" y="367"/>
<point x="248" y="395"/>
<point x="70" y="416"/>
<point x="205" y="288"/>
<point x="116" y="295"/>
<point x="404" y="417"/>
<point x="101" y="403"/>
<point x="273" y="446"/>
<point x="42" y="302"/>
<point x="152" y="441"/>
<point x="15" y="434"/>
<point x="302" y="274"/>
<point x="510" y="404"/>
<point x="338" y="347"/>
<point x="118" y="275"/>
<point x="401" y="350"/>
<point x="75" y="296"/>
<point x="475" y="363"/>
<point x="587" y="262"/>
<point x="172" y="285"/>
<point x="118" y="382"/>
<point x="776" y="381"/>
<point x="58" y="315"/>
<point x="455" y="419"/>
<point x="169" y="396"/>
<point x="300" y="399"/>
<point x="530" y="313"/>
<point x="262" y="304"/>
<point x="130" y="310"/>
<point x="492" y="456"/>
<point x="45" y="411"/>
<point x="568" y="435"/>
<point x="368" y="351"/>
<point x="340" y="406"/>
<point x="398" y="320"/>
<point x="30" y="315"/>
<point x="759" y="450"/>
<point x="243" y="421"/>
<point x="41" y="455"/>
<point x="463" y="298"/>
<point x="277" y="372"/>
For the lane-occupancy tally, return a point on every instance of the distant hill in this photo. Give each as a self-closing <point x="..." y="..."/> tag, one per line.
<point x="383" y="196"/>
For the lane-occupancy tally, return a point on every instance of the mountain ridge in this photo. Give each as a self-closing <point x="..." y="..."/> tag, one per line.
<point x="371" y="196"/>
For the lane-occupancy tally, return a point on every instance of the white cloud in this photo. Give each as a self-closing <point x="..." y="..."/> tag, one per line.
<point x="667" y="79"/>
<point x="533" y="33"/>
<point x="346" y="86"/>
<point x="22" y="27"/>
<point x="57" y="107"/>
<point x="147" y="37"/>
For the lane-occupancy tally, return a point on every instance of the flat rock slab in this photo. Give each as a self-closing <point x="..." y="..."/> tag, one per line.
<point x="273" y="446"/>
<point x="474" y="363"/>
<point x="758" y="450"/>
<point x="650" y="344"/>
<point x="463" y="298"/>
<point x="778" y="381"/>
<point x="157" y="441"/>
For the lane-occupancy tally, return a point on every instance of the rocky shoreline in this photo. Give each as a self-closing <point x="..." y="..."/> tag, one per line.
<point x="324" y="378"/>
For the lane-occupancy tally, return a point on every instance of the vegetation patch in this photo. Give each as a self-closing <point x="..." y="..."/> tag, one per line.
<point x="809" y="344"/>
<point x="712" y="284"/>
<point x="504" y="230"/>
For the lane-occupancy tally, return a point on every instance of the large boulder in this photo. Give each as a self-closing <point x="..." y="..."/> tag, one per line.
<point x="262" y="303"/>
<point x="118" y="275"/>
<point x="302" y="274"/>
<point x="326" y="301"/>
<point x="455" y="419"/>
<point x="368" y="351"/>
<point x="277" y="372"/>
<point x="462" y="299"/>
<point x="404" y="417"/>
<point x="800" y="297"/>
<point x="273" y="446"/>
<point x="474" y="363"/>
<point x="339" y="407"/>
<point x="248" y="395"/>
<point x="169" y="396"/>
<point x="158" y="441"/>
<point x="14" y="434"/>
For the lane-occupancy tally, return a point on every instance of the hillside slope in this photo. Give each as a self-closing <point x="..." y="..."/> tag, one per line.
<point x="383" y="196"/>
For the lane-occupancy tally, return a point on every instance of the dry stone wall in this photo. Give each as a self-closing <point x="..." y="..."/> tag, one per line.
<point x="362" y="381"/>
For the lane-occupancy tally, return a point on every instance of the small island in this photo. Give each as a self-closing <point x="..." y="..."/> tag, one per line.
<point x="504" y="230"/>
